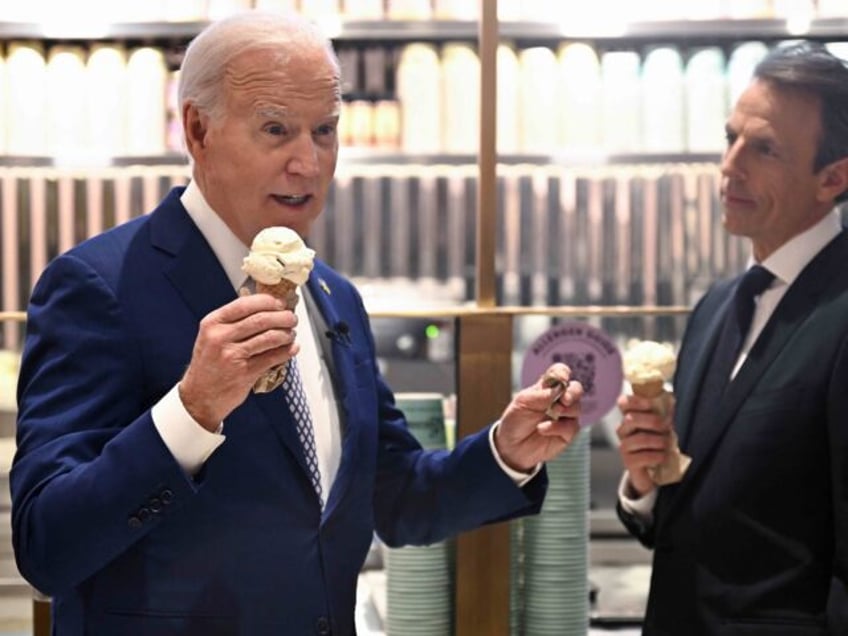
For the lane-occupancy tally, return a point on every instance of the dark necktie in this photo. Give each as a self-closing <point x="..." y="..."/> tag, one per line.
<point x="737" y="321"/>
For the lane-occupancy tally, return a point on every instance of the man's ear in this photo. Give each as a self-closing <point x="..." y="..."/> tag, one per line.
<point x="833" y="180"/>
<point x="195" y="127"/>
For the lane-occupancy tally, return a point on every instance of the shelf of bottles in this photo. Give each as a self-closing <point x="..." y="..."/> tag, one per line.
<point x="573" y="86"/>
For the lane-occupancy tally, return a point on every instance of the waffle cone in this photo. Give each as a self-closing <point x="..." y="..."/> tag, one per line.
<point x="286" y="291"/>
<point x="649" y="389"/>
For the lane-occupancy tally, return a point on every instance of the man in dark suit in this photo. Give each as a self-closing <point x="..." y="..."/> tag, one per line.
<point x="153" y="493"/>
<point x="749" y="541"/>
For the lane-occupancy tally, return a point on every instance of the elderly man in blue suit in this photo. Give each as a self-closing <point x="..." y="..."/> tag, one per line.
<point x="153" y="492"/>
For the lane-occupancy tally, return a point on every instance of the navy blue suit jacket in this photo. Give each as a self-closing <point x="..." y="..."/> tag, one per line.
<point x="106" y="522"/>
<point x="748" y="542"/>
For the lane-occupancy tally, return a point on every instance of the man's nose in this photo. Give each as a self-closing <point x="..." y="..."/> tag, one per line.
<point x="304" y="158"/>
<point x="731" y="162"/>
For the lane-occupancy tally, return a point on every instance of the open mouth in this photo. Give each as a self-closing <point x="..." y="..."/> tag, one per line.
<point x="292" y="199"/>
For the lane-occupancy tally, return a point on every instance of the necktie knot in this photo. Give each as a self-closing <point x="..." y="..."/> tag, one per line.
<point x="754" y="282"/>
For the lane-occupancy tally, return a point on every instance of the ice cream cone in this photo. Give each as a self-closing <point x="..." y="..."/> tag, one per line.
<point x="278" y="263"/>
<point x="647" y="366"/>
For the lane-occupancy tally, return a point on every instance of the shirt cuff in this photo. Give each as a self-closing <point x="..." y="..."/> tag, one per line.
<point x="521" y="479"/>
<point x="640" y="507"/>
<point x="189" y="443"/>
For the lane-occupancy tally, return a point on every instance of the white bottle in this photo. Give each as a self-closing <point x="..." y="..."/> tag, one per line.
<point x="580" y="97"/>
<point x="461" y="99"/>
<point x="363" y="9"/>
<point x="740" y="68"/>
<point x="27" y="85"/>
<point x="409" y="9"/>
<point x="455" y="10"/>
<point x="508" y="100"/>
<point x="538" y="100"/>
<point x="66" y="103"/>
<point x="706" y="100"/>
<point x="662" y="101"/>
<point x="4" y="98"/>
<point x="419" y="88"/>
<point x="147" y="79"/>
<point x="621" y="102"/>
<point x="106" y="92"/>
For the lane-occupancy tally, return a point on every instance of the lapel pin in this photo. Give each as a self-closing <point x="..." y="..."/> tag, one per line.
<point x="324" y="286"/>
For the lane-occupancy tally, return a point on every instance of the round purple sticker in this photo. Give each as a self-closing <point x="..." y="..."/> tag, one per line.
<point x="593" y="358"/>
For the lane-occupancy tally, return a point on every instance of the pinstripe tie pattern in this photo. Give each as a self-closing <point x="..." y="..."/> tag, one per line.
<point x="296" y="398"/>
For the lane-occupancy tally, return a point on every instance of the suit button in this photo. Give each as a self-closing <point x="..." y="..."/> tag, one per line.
<point x="143" y="514"/>
<point x="155" y="504"/>
<point x="166" y="496"/>
<point x="134" y="522"/>
<point x="322" y="626"/>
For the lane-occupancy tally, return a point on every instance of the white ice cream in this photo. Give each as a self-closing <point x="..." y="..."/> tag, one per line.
<point x="278" y="253"/>
<point x="648" y="361"/>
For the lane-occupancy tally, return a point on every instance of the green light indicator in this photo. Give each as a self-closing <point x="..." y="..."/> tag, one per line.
<point x="432" y="331"/>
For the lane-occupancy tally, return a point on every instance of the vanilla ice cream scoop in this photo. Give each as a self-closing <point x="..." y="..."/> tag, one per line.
<point x="278" y="253"/>
<point x="648" y="363"/>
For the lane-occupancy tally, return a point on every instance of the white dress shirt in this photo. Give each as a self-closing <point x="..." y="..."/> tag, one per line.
<point x="786" y="263"/>
<point x="191" y="444"/>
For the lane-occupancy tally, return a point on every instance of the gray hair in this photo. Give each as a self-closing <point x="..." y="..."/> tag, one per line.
<point x="208" y="55"/>
<point x="809" y="67"/>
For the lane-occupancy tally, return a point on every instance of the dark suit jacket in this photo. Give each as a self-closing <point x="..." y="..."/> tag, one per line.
<point x="106" y="522"/>
<point x="748" y="542"/>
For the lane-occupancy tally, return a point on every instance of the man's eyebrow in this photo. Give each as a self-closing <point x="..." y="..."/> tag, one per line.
<point x="271" y="112"/>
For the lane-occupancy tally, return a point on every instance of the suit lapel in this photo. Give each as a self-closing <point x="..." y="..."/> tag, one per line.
<point x="794" y="308"/>
<point x="344" y="380"/>
<point x="195" y="271"/>
<point x="695" y="377"/>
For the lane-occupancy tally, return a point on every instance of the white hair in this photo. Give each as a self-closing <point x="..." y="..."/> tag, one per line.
<point x="208" y="55"/>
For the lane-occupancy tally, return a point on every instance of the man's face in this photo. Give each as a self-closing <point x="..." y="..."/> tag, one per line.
<point x="768" y="188"/>
<point x="269" y="160"/>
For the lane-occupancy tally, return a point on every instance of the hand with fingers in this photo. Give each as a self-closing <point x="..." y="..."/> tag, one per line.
<point x="541" y="420"/>
<point x="645" y="439"/>
<point x="235" y="345"/>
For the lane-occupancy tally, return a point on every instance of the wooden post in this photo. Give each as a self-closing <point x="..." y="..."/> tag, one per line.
<point x="40" y="616"/>
<point x="484" y="388"/>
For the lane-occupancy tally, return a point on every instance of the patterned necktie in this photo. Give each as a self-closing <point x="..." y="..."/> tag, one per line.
<point x="736" y="324"/>
<point x="296" y="398"/>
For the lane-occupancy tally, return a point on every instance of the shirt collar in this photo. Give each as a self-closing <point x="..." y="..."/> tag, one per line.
<point x="789" y="260"/>
<point x="229" y="250"/>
